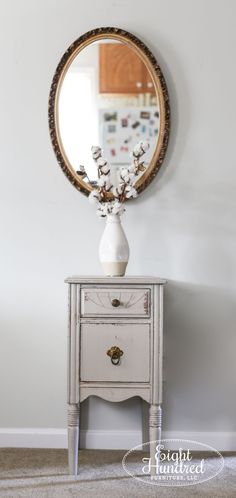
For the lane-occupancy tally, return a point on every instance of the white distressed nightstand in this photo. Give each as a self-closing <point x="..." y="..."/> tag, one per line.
<point x="114" y="347"/>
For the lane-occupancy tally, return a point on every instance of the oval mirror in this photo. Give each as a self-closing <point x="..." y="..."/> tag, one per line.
<point x="108" y="90"/>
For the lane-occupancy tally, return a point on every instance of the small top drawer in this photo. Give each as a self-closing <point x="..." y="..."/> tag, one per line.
<point x="115" y="302"/>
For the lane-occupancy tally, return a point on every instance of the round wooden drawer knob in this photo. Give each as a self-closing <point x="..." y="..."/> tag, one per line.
<point x="115" y="303"/>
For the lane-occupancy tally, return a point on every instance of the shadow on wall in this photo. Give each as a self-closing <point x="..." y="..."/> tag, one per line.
<point x="199" y="359"/>
<point x="178" y="90"/>
<point x="199" y="366"/>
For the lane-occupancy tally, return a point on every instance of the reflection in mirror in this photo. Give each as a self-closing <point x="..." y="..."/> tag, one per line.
<point x="107" y="98"/>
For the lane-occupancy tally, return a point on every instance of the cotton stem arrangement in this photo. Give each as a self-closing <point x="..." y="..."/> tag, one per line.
<point x="127" y="177"/>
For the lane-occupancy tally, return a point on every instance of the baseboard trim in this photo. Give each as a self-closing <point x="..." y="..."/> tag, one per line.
<point x="221" y="441"/>
<point x="95" y="439"/>
<point x="57" y="438"/>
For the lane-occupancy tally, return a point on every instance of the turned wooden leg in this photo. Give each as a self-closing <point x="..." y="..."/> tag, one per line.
<point x="155" y="420"/>
<point x="73" y="438"/>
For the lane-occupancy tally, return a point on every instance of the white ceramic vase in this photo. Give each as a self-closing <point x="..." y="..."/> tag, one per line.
<point x="114" y="247"/>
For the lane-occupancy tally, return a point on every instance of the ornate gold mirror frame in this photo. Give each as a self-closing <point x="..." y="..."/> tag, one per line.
<point x="160" y="87"/>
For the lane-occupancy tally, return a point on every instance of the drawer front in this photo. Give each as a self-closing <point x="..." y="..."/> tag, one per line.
<point x="133" y="339"/>
<point x="115" y="302"/>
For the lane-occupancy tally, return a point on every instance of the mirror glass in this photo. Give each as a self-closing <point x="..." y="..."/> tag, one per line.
<point x="107" y="97"/>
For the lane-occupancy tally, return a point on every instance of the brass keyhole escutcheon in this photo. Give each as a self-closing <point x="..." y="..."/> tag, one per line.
<point x="115" y="354"/>
<point x="115" y="303"/>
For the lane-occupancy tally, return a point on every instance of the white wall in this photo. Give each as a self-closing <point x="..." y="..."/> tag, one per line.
<point x="182" y="227"/>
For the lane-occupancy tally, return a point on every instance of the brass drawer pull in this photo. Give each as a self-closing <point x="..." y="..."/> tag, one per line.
<point x="115" y="354"/>
<point x="115" y="303"/>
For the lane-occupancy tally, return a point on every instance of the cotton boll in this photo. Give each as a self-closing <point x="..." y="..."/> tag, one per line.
<point x="96" y="149"/>
<point x="101" y="181"/>
<point x="132" y="178"/>
<point x="81" y="171"/>
<point x="103" y="165"/>
<point x="116" y="207"/>
<point x="140" y="148"/>
<point x="99" y="213"/>
<point x="82" y="168"/>
<point x="115" y="191"/>
<point x="132" y="168"/>
<point x="94" y="197"/>
<point x="105" y="169"/>
<point x="124" y="175"/>
<point x="103" y="210"/>
<point x="96" y="152"/>
<point x="107" y="184"/>
<point x="101" y="161"/>
<point x="145" y="145"/>
<point x="130" y="192"/>
<point x="136" y="150"/>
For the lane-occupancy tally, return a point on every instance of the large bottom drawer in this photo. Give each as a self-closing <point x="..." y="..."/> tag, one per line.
<point x="133" y="339"/>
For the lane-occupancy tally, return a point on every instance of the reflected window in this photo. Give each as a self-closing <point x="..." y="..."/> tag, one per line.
<point x="78" y="117"/>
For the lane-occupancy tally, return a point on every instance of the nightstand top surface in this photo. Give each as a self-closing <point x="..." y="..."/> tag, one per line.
<point x="83" y="279"/>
